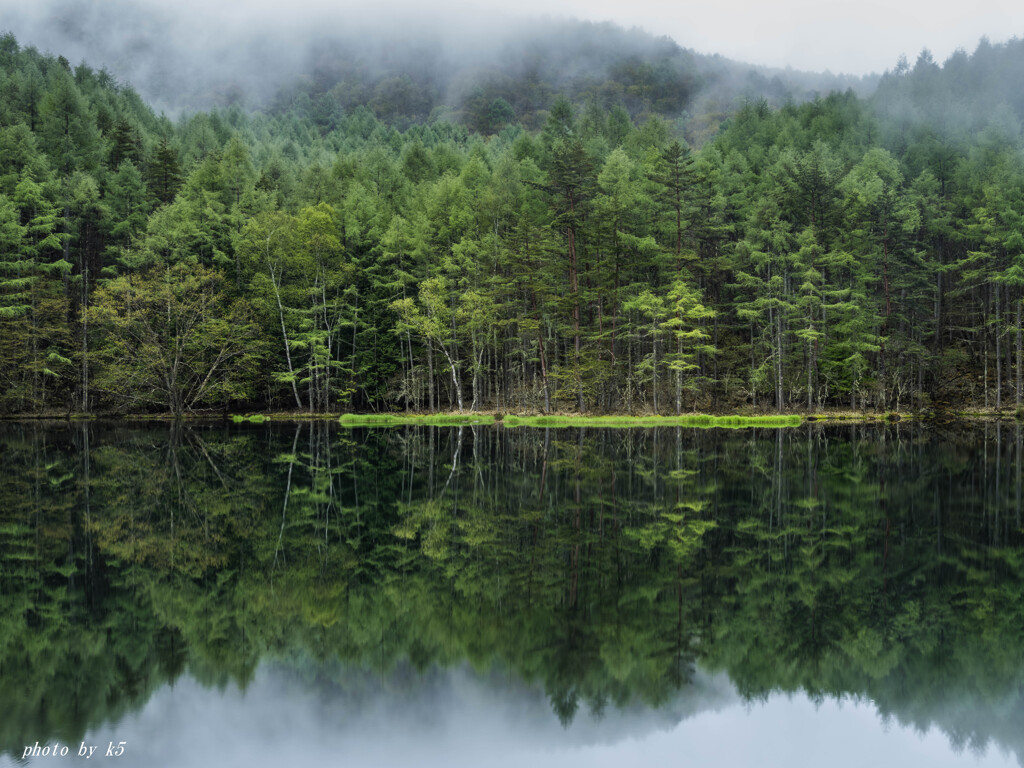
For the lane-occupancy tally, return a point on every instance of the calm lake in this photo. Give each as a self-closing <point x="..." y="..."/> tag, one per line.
<point x="304" y="594"/>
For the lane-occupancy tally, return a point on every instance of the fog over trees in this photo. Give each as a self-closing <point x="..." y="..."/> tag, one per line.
<point x="403" y="65"/>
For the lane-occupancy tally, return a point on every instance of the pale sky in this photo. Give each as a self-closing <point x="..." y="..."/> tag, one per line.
<point x="843" y="36"/>
<point x="848" y="36"/>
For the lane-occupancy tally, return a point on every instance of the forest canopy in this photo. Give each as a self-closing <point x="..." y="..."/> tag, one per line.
<point x="543" y="243"/>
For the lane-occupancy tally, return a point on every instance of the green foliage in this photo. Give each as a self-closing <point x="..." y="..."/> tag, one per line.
<point x="171" y="337"/>
<point x="812" y="255"/>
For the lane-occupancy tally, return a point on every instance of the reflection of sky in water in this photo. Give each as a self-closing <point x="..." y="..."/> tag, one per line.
<point x="456" y="718"/>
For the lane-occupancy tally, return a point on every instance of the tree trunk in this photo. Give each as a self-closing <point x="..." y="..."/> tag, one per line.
<point x="430" y="376"/>
<point x="544" y="370"/>
<point x="476" y="375"/>
<point x="778" y="361"/>
<point x="85" y="335"/>
<point x="574" y="287"/>
<point x="409" y="343"/>
<point x="355" y="328"/>
<point x="999" y="356"/>
<point x="284" y="334"/>
<point x="1018" y="353"/>
<point x="810" y="366"/>
<point x="455" y="377"/>
<point x="679" y="376"/>
<point x="654" y="366"/>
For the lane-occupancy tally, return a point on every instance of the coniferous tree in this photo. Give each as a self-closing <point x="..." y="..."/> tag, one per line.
<point x="164" y="173"/>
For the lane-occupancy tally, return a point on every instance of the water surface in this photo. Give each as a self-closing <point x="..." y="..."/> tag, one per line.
<point x="252" y="594"/>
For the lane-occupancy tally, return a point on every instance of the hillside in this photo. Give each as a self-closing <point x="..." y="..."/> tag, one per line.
<point x="480" y="70"/>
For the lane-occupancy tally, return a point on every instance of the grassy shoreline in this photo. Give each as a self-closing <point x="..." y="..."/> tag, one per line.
<point x="426" y="419"/>
<point x="484" y="418"/>
<point x="703" y="421"/>
<point x="615" y="421"/>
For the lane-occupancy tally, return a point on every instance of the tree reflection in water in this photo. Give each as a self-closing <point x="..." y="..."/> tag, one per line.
<point x="605" y="566"/>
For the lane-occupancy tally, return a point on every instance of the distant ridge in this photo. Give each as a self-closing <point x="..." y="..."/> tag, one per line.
<point x="489" y="68"/>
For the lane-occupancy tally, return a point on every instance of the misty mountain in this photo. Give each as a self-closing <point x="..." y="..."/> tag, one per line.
<point x="955" y="100"/>
<point x="483" y="71"/>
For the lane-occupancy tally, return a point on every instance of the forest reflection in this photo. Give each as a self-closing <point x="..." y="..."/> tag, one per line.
<point x="609" y="568"/>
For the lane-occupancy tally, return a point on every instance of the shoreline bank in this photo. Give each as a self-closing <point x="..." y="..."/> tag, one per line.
<point x="511" y="420"/>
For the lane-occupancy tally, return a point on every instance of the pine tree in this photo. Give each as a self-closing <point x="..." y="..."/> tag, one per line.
<point x="124" y="145"/>
<point x="164" y="173"/>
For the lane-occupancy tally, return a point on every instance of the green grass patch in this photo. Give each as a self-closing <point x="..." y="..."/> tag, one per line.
<point x="699" y="420"/>
<point x="398" y="419"/>
<point x="256" y="418"/>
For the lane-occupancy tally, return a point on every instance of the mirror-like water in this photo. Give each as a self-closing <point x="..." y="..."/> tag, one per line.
<point x="248" y="594"/>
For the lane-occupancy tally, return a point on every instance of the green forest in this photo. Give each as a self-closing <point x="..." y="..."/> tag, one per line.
<point x="539" y="249"/>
